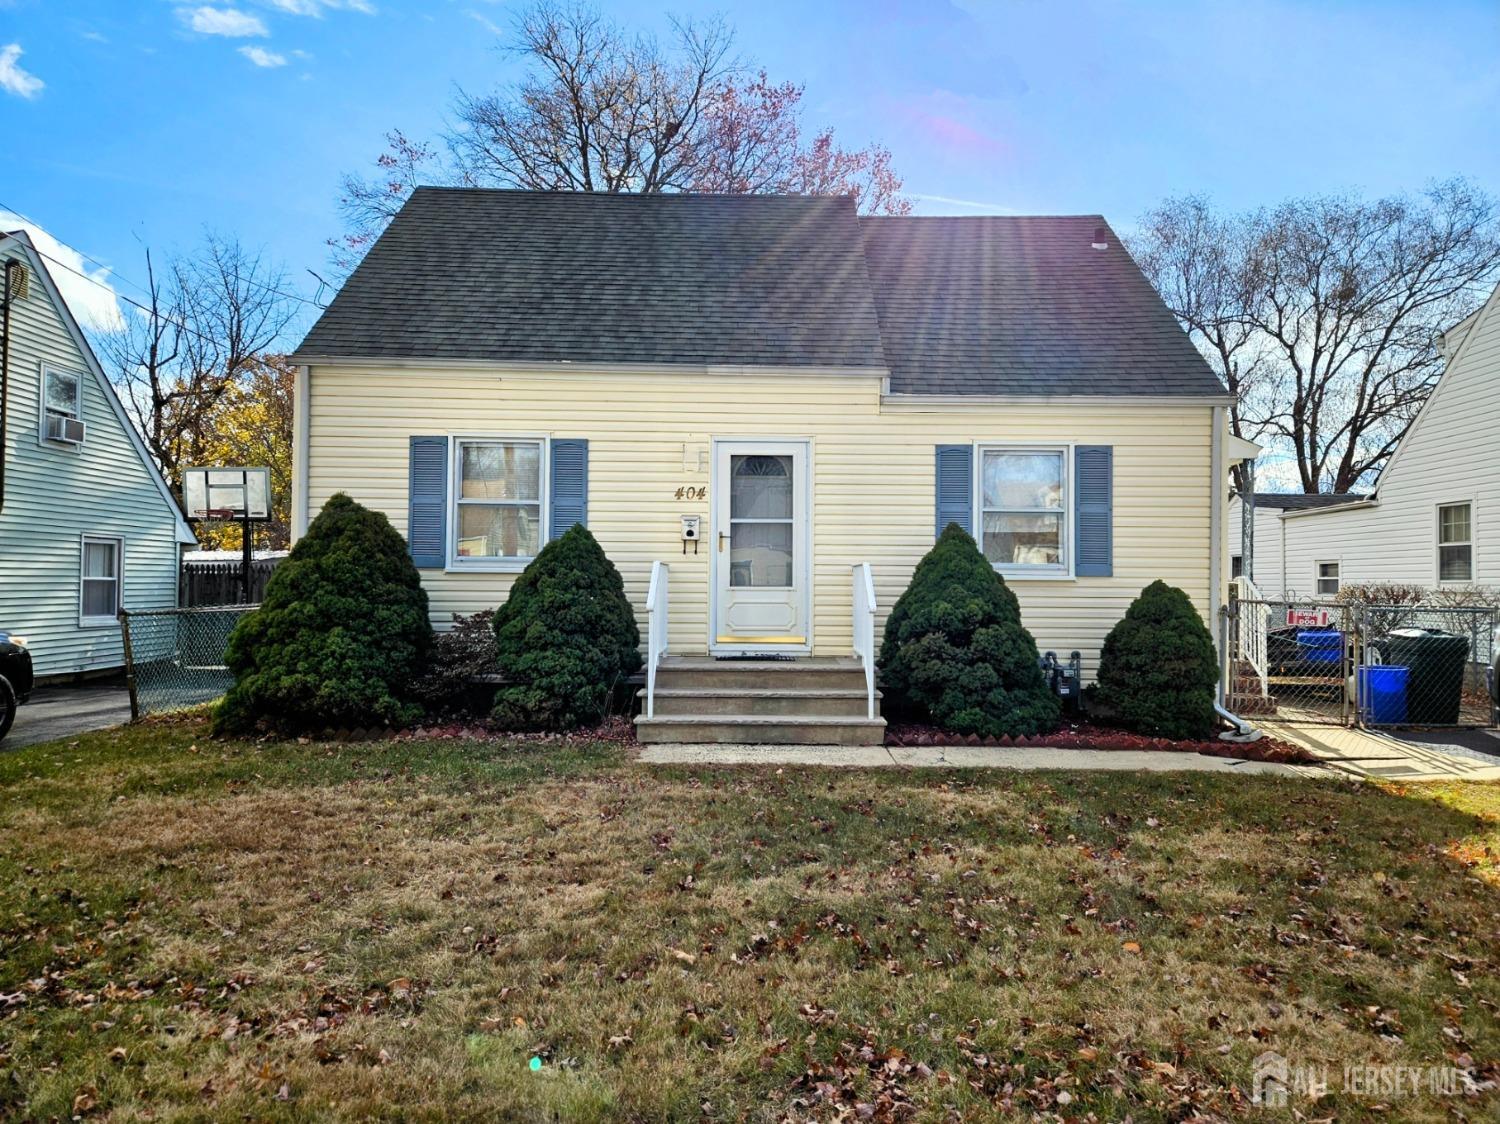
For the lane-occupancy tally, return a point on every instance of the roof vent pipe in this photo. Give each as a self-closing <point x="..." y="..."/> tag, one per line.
<point x="1099" y="239"/>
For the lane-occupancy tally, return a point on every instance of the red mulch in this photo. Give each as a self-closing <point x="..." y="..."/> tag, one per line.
<point x="1084" y="736"/>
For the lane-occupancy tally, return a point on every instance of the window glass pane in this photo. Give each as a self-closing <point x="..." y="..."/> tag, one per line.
<point x="62" y="393"/>
<point x="98" y="559"/>
<point x="760" y="554"/>
<point x="499" y="532"/>
<point x="1454" y="523"/>
<point x="1023" y="540"/>
<point x="1023" y="481"/>
<point x="501" y="470"/>
<point x="1455" y="563"/>
<point x="99" y="598"/>
<point x="760" y="487"/>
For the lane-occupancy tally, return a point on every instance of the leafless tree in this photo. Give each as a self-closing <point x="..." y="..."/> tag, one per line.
<point x="600" y="110"/>
<point x="1321" y="314"/>
<point x="207" y="318"/>
<point x="1197" y="261"/>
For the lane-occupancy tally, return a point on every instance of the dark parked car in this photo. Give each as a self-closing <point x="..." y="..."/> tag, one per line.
<point x="15" y="677"/>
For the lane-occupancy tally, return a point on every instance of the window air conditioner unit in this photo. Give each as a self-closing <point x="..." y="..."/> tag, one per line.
<point x="61" y="428"/>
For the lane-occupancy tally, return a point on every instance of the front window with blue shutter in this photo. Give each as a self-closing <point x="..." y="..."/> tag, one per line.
<point x="1037" y="511"/>
<point x="491" y="503"/>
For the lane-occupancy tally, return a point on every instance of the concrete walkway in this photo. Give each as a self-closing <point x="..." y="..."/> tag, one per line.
<point x="956" y="757"/>
<point x="1382" y="756"/>
<point x="62" y="712"/>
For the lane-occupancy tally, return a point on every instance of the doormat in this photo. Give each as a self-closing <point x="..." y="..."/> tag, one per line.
<point x="742" y="657"/>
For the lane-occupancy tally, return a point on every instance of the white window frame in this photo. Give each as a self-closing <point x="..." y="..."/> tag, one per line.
<point x="1027" y="571"/>
<point x="1319" y="578"/>
<point x="1438" y="544"/>
<point x="455" y="467"/>
<point x="48" y="370"/>
<point x="118" y="542"/>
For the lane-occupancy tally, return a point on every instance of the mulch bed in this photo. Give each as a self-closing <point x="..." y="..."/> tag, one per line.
<point x="1084" y="736"/>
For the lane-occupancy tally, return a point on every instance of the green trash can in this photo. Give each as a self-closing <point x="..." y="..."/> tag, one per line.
<point x="1435" y="681"/>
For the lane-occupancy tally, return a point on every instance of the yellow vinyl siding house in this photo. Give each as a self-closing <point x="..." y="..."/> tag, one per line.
<point x="918" y="371"/>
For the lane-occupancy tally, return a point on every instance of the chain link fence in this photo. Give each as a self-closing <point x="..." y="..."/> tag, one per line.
<point x="174" y="658"/>
<point x="1371" y="665"/>
<point x="1424" y="665"/>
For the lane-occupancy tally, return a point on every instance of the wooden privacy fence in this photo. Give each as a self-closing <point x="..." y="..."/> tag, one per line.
<point x="218" y="582"/>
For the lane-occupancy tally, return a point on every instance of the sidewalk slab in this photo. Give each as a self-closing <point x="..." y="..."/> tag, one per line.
<point x="1381" y="756"/>
<point x="957" y="757"/>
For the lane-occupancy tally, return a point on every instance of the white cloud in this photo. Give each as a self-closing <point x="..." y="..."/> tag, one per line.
<point x="317" y="7"/>
<point x="229" y="22"/>
<point x="262" y="57"/>
<point x="14" y="80"/>
<point x="91" y="297"/>
<point x="484" y="21"/>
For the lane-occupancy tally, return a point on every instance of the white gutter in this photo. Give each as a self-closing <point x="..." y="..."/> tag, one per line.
<point x="1352" y="505"/>
<point x="375" y="363"/>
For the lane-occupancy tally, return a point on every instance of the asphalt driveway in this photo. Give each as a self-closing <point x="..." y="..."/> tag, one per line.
<point x="62" y="712"/>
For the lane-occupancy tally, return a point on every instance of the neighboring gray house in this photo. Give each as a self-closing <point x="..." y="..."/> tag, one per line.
<point x="1433" y="519"/>
<point x="88" y="524"/>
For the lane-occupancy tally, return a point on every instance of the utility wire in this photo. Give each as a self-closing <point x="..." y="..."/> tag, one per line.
<point x="135" y="285"/>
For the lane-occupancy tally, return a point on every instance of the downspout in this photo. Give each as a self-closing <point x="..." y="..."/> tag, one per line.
<point x="7" y="298"/>
<point x="1243" y="731"/>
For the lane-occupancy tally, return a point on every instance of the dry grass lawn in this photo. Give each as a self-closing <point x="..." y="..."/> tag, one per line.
<point x="193" y="929"/>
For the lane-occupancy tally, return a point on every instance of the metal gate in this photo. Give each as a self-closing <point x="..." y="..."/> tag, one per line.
<point x="1293" y="660"/>
<point x="1328" y="663"/>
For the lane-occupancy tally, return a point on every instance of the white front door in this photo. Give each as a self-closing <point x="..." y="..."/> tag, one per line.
<point x="762" y="566"/>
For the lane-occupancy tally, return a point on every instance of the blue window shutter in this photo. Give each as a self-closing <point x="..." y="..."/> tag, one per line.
<point x="570" y="484"/>
<point x="1093" y="521"/>
<point x="427" y="503"/>
<point x="955" y="487"/>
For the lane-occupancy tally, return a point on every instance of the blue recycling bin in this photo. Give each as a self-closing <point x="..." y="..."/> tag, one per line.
<point x="1321" y="645"/>
<point x="1382" y="693"/>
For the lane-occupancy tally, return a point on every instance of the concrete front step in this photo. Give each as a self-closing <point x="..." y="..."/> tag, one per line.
<point x="706" y="673"/>
<point x="683" y="729"/>
<point x="752" y="702"/>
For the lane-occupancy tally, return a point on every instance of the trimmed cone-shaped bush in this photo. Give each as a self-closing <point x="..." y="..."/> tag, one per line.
<point x="955" y="652"/>
<point x="1158" y="669"/>
<point x="565" y="638"/>
<point x="340" y="636"/>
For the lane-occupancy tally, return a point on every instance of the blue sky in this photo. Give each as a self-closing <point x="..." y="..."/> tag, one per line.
<point x="141" y="122"/>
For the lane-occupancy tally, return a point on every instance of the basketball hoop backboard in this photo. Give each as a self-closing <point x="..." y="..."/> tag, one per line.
<point x="227" y="493"/>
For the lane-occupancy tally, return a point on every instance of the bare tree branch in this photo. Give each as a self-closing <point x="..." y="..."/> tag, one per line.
<point x="1321" y="314"/>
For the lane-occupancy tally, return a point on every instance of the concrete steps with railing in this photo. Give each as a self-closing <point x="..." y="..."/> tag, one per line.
<point x="813" y="701"/>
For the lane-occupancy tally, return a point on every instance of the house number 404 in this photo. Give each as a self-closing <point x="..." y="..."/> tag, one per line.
<point x="691" y="493"/>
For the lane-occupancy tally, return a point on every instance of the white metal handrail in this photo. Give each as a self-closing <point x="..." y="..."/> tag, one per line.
<point x="656" y="630"/>
<point x="864" y="628"/>
<point x="1253" y="630"/>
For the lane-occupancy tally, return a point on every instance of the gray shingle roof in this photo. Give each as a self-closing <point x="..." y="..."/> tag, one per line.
<point x="696" y="279"/>
<point x="1302" y="501"/>
<point x="987" y="305"/>
<point x="1023" y="305"/>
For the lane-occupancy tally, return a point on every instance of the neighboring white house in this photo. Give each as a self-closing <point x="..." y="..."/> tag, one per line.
<point x="1433" y="519"/>
<point x="1269" y="559"/>
<point x="88" y="524"/>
